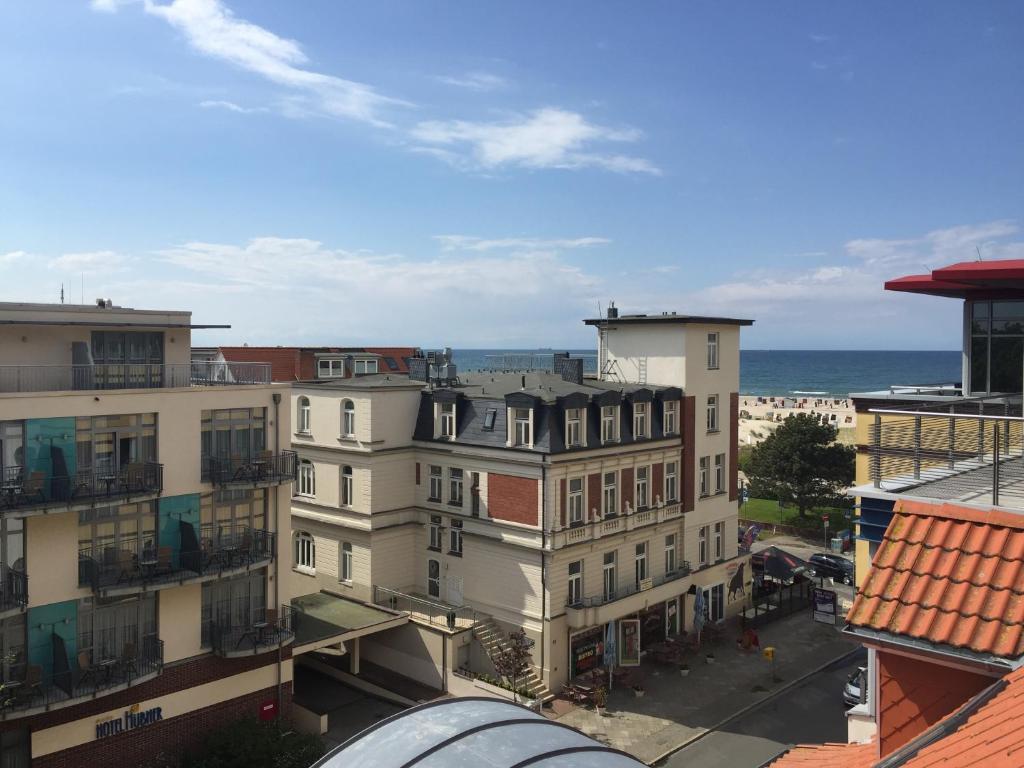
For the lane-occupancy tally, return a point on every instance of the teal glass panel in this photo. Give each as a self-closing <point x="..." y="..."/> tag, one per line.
<point x="50" y="449"/>
<point x="44" y="622"/>
<point x="173" y="511"/>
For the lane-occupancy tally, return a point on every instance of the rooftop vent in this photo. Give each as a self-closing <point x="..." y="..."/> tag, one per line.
<point x="613" y="311"/>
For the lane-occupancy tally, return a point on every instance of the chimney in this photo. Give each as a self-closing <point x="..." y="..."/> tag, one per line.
<point x="613" y="311"/>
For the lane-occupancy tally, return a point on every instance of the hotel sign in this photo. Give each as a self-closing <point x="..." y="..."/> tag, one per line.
<point x="133" y="718"/>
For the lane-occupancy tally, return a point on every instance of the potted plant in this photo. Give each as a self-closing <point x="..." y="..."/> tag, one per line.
<point x="638" y="691"/>
<point x="710" y="658"/>
<point x="600" y="700"/>
<point x="684" y="670"/>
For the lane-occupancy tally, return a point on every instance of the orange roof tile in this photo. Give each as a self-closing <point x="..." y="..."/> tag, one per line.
<point x="829" y="756"/>
<point x="949" y="575"/>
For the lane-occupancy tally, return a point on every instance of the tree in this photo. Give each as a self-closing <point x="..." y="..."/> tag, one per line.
<point x="800" y="463"/>
<point x="249" y="743"/>
<point x="513" y="659"/>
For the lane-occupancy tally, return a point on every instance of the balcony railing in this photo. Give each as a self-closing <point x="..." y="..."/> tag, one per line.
<point x="235" y="630"/>
<point x="425" y="609"/>
<point x="13" y="588"/>
<point x="31" y="689"/>
<point x="64" y="378"/>
<point x="968" y="450"/>
<point x="630" y="589"/>
<point x="21" y="488"/>
<point x="132" y="564"/>
<point x="264" y="467"/>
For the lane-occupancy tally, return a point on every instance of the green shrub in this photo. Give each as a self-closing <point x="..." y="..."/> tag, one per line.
<point x="251" y="744"/>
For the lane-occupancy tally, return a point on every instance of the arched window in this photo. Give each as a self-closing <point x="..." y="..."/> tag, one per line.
<point x="346" y="561"/>
<point x="302" y="415"/>
<point x="346" y="486"/>
<point x="307" y="478"/>
<point x="348" y="418"/>
<point x="305" y="551"/>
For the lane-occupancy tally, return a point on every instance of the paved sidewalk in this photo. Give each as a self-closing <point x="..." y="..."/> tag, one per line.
<point x="675" y="709"/>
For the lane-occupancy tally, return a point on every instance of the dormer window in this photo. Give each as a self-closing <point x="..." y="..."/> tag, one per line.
<point x="573" y="428"/>
<point x="522" y="427"/>
<point x="609" y="423"/>
<point x="365" y="367"/>
<point x="672" y="417"/>
<point x="448" y="421"/>
<point x="489" y="416"/>
<point x="326" y="369"/>
<point x="639" y="420"/>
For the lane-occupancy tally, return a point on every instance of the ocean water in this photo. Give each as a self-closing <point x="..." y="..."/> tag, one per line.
<point x="785" y="371"/>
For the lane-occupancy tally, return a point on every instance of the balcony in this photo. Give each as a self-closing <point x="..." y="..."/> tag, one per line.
<point x="32" y="689"/>
<point x="75" y="378"/>
<point x="251" y="633"/>
<point x="630" y="598"/>
<point x="13" y="590"/>
<point x="262" y="470"/>
<point x="970" y="450"/>
<point x="25" y="492"/>
<point x="424" y="609"/>
<point x="610" y="526"/>
<point x="132" y="567"/>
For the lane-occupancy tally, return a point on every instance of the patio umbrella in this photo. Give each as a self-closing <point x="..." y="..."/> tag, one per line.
<point x="783" y="566"/>
<point x="698" y="611"/>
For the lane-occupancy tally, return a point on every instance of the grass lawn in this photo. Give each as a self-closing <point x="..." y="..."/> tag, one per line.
<point x="767" y="511"/>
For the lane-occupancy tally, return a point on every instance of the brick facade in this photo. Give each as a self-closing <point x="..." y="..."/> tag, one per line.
<point x="626" y="491"/>
<point x="593" y="511"/>
<point x="514" y="499"/>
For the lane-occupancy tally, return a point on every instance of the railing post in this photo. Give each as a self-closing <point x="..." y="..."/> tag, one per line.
<point x="952" y="437"/>
<point x="876" y="454"/>
<point x="995" y="464"/>
<point x="917" y="447"/>
<point x="981" y="434"/>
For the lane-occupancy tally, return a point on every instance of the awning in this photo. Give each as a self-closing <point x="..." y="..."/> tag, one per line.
<point x="967" y="280"/>
<point x="322" y="619"/>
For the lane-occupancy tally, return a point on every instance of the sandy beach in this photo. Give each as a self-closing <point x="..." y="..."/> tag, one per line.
<point x="760" y="415"/>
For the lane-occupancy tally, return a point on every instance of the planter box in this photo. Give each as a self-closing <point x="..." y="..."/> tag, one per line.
<point x="501" y="693"/>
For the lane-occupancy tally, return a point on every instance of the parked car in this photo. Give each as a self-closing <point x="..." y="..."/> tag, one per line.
<point x="851" y="690"/>
<point x="834" y="566"/>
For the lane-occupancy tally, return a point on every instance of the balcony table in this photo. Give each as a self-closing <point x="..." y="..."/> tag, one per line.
<point x="148" y="564"/>
<point x="107" y="666"/>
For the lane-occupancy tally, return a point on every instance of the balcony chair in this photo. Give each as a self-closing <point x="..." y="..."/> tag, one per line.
<point x="33" y="489"/>
<point x="131" y="478"/>
<point x="271" y="633"/>
<point x="32" y="686"/>
<point x="129" y="669"/>
<point x="164" y="560"/>
<point x="246" y="551"/>
<point x="85" y="668"/>
<point x="127" y="566"/>
<point x="265" y="465"/>
<point x="239" y="469"/>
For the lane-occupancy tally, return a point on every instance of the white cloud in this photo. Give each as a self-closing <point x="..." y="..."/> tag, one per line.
<point x="471" y="243"/>
<point x="108" y="6"/>
<point x="90" y="261"/>
<point x="230" y="106"/>
<point x="819" y="38"/>
<point x="545" y="138"/>
<point x="475" y="81"/>
<point x="13" y="256"/>
<point x="213" y="30"/>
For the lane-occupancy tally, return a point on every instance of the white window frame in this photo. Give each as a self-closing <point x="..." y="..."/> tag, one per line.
<point x="640" y="420"/>
<point x="610" y="581"/>
<point x="348" y="418"/>
<point x="434" y="582"/>
<point x="642" y="493"/>
<point x="436" y="474"/>
<point x="703" y="479"/>
<point x="718" y="541"/>
<point x="719" y="473"/>
<point x="573" y="428"/>
<point x="365" y="367"/>
<point x="346" y="562"/>
<point x="330" y="368"/>
<point x="714" y="602"/>
<point x="304" y="552"/>
<point x="455" y="538"/>
<point x="671" y="420"/>
<point x="347" y="486"/>
<point x="641" y="566"/>
<point x="302" y="415"/>
<point x="522" y="433"/>
<point x="436" y="532"/>
<point x="575" y="583"/>
<point x="671" y="482"/>
<point x="609" y="423"/>
<point x="455" y="486"/>
<point x="713" y="348"/>
<point x="576" y="512"/>
<point x="307" y="479"/>
<point x="712" y="415"/>
<point x="609" y="494"/>
<point x="702" y="545"/>
<point x="447" y="416"/>
<point x="670" y="553"/>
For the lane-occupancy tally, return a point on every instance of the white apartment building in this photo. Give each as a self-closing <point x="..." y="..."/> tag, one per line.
<point x="545" y="501"/>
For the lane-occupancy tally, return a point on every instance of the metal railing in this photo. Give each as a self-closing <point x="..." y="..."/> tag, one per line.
<point x="264" y="467"/>
<point x="630" y="589"/>
<point x="425" y="609"/>
<point x="534" y="361"/>
<point x="31" y="688"/>
<point x="968" y="449"/>
<point x="61" y="378"/>
<point x="144" y="563"/>
<point x="13" y="588"/>
<point x="234" y="630"/>
<point x="22" y="488"/>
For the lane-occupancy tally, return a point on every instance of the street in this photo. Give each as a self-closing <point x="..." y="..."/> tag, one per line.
<point x="811" y="712"/>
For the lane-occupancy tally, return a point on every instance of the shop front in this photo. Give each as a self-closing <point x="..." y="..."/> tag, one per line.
<point x="586" y="651"/>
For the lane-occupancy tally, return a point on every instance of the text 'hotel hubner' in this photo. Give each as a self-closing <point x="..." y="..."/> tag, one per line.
<point x="540" y="500"/>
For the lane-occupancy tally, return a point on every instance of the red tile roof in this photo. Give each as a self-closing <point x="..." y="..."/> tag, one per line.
<point x="948" y="575"/>
<point x="284" y="361"/>
<point x="296" y="363"/>
<point x="991" y="737"/>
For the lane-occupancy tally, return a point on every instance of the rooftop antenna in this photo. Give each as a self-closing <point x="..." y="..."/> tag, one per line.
<point x="979" y="252"/>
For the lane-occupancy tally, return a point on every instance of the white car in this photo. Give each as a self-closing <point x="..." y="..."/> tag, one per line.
<point x="851" y="691"/>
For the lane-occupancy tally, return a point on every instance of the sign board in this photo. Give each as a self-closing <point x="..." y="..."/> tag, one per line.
<point x="268" y="710"/>
<point x="825" y="606"/>
<point x="824" y="519"/>
<point x="629" y="642"/>
<point x="769" y="652"/>
<point x="586" y="650"/>
<point x="134" y="717"/>
<point x="646" y="584"/>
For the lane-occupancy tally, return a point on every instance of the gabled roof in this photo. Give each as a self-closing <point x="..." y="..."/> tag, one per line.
<point x="948" y="575"/>
<point x="985" y="731"/>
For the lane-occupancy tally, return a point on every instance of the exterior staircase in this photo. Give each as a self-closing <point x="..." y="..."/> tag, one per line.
<point x="493" y="641"/>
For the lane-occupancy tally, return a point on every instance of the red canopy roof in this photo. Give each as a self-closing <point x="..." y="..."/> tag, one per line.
<point x="967" y="280"/>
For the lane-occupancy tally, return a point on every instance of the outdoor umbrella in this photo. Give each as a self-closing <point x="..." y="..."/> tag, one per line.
<point x="698" y="611"/>
<point x="783" y="566"/>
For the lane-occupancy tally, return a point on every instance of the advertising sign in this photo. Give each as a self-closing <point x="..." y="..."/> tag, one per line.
<point x="825" y="606"/>
<point x="629" y="642"/>
<point x="586" y="650"/>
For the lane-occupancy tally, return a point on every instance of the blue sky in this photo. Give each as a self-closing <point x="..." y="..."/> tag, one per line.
<point x="487" y="173"/>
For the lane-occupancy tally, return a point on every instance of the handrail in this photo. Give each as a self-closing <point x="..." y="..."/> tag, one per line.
<point x="107" y="376"/>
